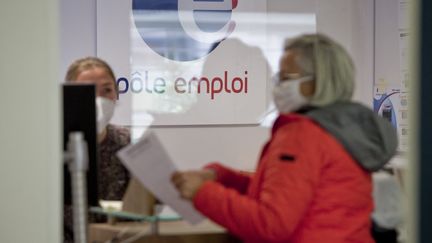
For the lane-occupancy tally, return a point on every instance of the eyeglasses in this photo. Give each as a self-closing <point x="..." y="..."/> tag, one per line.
<point x="283" y="77"/>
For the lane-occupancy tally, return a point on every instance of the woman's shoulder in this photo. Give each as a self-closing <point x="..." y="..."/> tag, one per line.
<point x="295" y="123"/>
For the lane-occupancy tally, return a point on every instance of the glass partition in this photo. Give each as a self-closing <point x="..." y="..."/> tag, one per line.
<point x="198" y="62"/>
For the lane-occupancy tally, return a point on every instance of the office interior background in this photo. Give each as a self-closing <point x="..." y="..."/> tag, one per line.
<point x="41" y="38"/>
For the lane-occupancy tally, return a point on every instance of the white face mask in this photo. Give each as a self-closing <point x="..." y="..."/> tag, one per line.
<point x="104" y="112"/>
<point x="287" y="96"/>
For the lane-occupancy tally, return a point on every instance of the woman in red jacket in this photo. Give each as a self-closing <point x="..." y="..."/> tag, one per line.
<point x="313" y="180"/>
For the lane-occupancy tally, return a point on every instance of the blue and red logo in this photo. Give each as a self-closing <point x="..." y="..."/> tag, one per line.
<point x="183" y="30"/>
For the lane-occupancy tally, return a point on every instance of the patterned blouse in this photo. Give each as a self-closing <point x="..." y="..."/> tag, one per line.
<point x="113" y="177"/>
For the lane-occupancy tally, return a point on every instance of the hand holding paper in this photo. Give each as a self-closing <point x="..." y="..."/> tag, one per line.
<point x="189" y="182"/>
<point x="151" y="165"/>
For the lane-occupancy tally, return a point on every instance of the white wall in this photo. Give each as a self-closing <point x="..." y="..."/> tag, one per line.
<point x="348" y="21"/>
<point x="351" y="22"/>
<point x="29" y="125"/>
<point x="77" y="31"/>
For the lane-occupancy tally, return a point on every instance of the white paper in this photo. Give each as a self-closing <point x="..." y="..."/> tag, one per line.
<point x="148" y="161"/>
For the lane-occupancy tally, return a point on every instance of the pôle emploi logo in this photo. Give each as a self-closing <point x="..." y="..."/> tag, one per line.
<point x="212" y="86"/>
<point x="183" y="30"/>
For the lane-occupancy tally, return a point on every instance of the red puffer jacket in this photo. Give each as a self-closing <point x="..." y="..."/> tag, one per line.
<point x="307" y="188"/>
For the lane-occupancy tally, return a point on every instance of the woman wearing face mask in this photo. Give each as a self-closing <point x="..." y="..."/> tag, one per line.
<point x="313" y="180"/>
<point x="113" y="177"/>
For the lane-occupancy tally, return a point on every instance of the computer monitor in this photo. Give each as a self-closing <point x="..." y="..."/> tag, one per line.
<point x="79" y="114"/>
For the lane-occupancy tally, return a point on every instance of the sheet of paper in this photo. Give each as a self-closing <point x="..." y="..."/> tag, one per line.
<point x="148" y="161"/>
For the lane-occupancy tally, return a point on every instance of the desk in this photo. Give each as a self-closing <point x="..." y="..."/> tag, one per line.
<point x="176" y="232"/>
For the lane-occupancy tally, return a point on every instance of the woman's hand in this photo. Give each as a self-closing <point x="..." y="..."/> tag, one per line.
<point x="189" y="182"/>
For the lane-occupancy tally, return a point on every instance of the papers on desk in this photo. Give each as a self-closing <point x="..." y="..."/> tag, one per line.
<point x="148" y="161"/>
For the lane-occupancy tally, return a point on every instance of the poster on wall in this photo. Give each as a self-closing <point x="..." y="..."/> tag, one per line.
<point x="185" y="62"/>
<point x="391" y="86"/>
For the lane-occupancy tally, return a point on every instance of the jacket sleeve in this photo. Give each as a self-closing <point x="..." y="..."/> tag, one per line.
<point x="285" y="192"/>
<point x="236" y="180"/>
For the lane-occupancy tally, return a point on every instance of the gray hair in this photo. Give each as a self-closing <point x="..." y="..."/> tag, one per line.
<point x="330" y="65"/>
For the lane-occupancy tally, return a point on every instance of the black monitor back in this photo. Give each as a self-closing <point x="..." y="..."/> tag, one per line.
<point x="79" y="114"/>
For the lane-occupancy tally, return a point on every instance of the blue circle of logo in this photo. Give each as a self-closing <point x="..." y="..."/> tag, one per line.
<point x="183" y="30"/>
